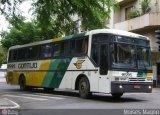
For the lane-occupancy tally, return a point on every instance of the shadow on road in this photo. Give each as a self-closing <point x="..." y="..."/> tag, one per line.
<point x="95" y="96"/>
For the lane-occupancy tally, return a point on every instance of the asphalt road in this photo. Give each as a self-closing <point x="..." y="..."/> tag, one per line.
<point x="67" y="102"/>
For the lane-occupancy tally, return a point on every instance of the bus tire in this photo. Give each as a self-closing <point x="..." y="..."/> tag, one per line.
<point x="22" y="83"/>
<point x="117" y="95"/>
<point x="48" y="90"/>
<point x="84" y="88"/>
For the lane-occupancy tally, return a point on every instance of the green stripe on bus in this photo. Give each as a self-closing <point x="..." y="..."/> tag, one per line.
<point x="53" y="79"/>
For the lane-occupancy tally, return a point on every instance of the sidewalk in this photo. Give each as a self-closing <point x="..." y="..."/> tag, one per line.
<point x="2" y="77"/>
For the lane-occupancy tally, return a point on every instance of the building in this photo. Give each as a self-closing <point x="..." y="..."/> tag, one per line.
<point x="142" y="17"/>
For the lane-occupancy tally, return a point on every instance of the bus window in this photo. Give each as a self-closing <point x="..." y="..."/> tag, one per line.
<point x="95" y="53"/>
<point x="82" y="46"/>
<point x="79" y="46"/>
<point x="64" y="48"/>
<point x="46" y="51"/>
<point x="72" y="47"/>
<point x="85" y="46"/>
<point x="33" y="52"/>
<point x="23" y="54"/>
<point x="12" y="55"/>
<point x="56" y="49"/>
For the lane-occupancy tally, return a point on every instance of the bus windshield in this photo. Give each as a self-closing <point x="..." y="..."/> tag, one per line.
<point x="130" y="55"/>
<point x="123" y="55"/>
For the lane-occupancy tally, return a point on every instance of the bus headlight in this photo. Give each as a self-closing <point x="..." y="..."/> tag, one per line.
<point x="120" y="86"/>
<point x="150" y="87"/>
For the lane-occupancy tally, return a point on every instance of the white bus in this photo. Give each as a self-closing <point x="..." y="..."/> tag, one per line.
<point x="102" y="60"/>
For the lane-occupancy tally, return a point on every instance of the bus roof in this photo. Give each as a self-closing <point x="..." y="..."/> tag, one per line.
<point x="110" y="31"/>
<point x="119" y="32"/>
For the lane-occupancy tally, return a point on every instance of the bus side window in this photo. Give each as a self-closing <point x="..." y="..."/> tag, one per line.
<point x="72" y="47"/>
<point x="95" y="53"/>
<point x="12" y="55"/>
<point x="85" y="46"/>
<point x="82" y="46"/>
<point x="79" y="46"/>
<point x="33" y="52"/>
<point x="23" y="54"/>
<point x="46" y="51"/>
<point x="57" y="48"/>
<point x="64" y="48"/>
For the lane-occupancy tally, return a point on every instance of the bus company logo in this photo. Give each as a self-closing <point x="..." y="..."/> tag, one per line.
<point x="78" y="64"/>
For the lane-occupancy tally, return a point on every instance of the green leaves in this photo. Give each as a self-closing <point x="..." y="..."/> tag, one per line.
<point x="3" y="56"/>
<point x="145" y="6"/>
<point x="59" y="13"/>
<point x="54" y="18"/>
<point x="21" y="32"/>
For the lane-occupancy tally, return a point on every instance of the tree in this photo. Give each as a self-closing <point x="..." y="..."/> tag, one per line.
<point x="10" y="7"/>
<point x="22" y="32"/>
<point x="3" y="56"/>
<point x="57" y="14"/>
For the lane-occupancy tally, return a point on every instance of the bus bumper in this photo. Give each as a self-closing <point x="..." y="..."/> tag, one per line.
<point x="122" y="87"/>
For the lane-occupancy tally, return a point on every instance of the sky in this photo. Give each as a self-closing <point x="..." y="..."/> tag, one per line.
<point x="24" y="7"/>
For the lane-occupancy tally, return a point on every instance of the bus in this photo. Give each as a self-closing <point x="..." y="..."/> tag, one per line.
<point x="98" y="61"/>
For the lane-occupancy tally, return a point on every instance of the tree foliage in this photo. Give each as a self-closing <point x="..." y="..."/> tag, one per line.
<point x="58" y="15"/>
<point x="10" y="7"/>
<point x="22" y="32"/>
<point x="3" y="56"/>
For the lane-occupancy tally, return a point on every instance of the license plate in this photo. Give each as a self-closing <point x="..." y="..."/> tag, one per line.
<point x="137" y="86"/>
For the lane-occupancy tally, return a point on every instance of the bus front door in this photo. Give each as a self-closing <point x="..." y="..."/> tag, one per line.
<point x="103" y="71"/>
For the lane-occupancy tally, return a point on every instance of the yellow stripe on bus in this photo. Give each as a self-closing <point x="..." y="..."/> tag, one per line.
<point x="57" y="39"/>
<point x="36" y="78"/>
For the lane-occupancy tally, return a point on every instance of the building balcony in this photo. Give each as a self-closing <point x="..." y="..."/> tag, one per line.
<point x="141" y="22"/>
<point x="125" y="2"/>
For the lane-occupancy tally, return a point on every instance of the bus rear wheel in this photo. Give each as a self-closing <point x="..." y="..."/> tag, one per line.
<point x="117" y="95"/>
<point x="48" y="89"/>
<point x="84" y="88"/>
<point x="22" y="83"/>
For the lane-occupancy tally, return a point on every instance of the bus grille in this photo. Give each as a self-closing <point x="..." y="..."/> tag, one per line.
<point x="137" y="79"/>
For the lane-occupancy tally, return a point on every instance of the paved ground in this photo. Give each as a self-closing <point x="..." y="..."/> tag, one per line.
<point x="2" y="78"/>
<point x="62" y="102"/>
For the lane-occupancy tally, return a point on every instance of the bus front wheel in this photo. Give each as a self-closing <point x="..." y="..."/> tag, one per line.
<point x="84" y="88"/>
<point x="117" y="95"/>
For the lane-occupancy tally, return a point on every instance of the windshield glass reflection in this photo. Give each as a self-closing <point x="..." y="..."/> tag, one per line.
<point x="130" y="54"/>
<point x="143" y="58"/>
<point x="123" y="55"/>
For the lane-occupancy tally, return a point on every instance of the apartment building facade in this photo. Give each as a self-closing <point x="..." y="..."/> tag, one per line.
<point x="142" y="17"/>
